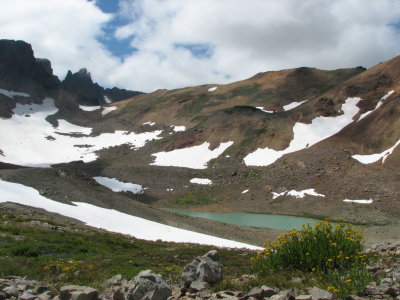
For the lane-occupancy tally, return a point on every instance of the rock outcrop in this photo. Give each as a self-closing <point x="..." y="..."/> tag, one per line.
<point x="18" y="66"/>
<point x="203" y="271"/>
<point x="81" y="83"/>
<point x="148" y="285"/>
<point x="75" y="292"/>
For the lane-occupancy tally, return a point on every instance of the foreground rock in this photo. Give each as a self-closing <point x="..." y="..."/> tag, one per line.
<point x="76" y="292"/>
<point x="319" y="294"/>
<point x="15" y="287"/>
<point x="260" y="293"/>
<point x="150" y="286"/>
<point x="202" y="272"/>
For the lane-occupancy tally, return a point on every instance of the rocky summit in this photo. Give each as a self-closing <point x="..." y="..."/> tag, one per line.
<point x="81" y="82"/>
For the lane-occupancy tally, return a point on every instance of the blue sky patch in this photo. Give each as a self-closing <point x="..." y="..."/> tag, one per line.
<point x="108" y="6"/>
<point x="118" y="48"/>
<point x="396" y="26"/>
<point x="197" y="50"/>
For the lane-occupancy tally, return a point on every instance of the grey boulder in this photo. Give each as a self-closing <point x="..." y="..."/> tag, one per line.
<point x="318" y="294"/>
<point x="203" y="271"/>
<point x="148" y="285"/>
<point x="76" y="292"/>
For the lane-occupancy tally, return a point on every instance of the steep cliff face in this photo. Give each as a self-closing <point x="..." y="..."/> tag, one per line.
<point x="20" y="69"/>
<point x="81" y="82"/>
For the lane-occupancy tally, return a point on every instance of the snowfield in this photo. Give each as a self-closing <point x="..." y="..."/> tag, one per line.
<point x="27" y="139"/>
<point x="266" y="111"/>
<point x="293" y="105"/>
<point x="111" y="219"/>
<point x="107" y="110"/>
<point x="178" y="128"/>
<point x="119" y="186"/>
<point x="372" y="158"/>
<point x="212" y="89"/>
<point x="89" y="108"/>
<point x="359" y="201"/>
<point x="12" y="94"/>
<point x="305" y="135"/>
<point x="195" y="157"/>
<point x="203" y="181"/>
<point x="377" y="105"/>
<point x="107" y="100"/>
<point x="67" y="127"/>
<point x="297" y="194"/>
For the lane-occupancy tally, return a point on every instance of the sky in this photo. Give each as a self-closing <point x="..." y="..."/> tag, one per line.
<point x="147" y="45"/>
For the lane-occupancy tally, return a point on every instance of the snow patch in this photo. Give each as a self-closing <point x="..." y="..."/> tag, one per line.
<point x="179" y="128"/>
<point x="262" y="109"/>
<point x="107" y="110"/>
<point x="119" y="186"/>
<point x="297" y="194"/>
<point x="67" y="127"/>
<point x="371" y="158"/>
<point x="107" y="100"/>
<point x="306" y="135"/>
<point x="245" y="191"/>
<point x="377" y="106"/>
<point x="12" y="94"/>
<point x="110" y="219"/>
<point x="359" y="201"/>
<point x="387" y="95"/>
<point x="195" y="157"/>
<point x="293" y="105"/>
<point x="149" y="123"/>
<point x="212" y="89"/>
<point x="204" y="181"/>
<point x="89" y="108"/>
<point x="39" y="148"/>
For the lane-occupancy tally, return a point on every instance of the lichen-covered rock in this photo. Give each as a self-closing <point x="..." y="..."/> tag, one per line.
<point x="202" y="271"/>
<point x="318" y="294"/>
<point x="76" y="292"/>
<point x="148" y="285"/>
<point x="27" y="296"/>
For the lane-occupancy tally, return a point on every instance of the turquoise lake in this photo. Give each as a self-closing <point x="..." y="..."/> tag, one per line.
<point x="245" y="219"/>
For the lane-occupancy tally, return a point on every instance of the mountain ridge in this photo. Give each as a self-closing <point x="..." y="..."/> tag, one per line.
<point x="81" y="83"/>
<point x="21" y="70"/>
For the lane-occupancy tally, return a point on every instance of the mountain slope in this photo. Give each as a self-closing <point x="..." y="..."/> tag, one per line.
<point x="287" y="142"/>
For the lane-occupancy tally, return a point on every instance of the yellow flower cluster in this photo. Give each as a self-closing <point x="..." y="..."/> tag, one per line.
<point x="320" y="247"/>
<point x="61" y="265"/>
<point x="332" y="289"/>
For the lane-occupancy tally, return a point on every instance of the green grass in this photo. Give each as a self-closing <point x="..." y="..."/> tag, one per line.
<point x="89" y="257"/>
<point x="245" y="90"/>
<point x="195" y="105"/>
<point x="192" y="198"/>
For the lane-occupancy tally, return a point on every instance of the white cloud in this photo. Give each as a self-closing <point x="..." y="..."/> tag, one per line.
<point x="245" y="36"/>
